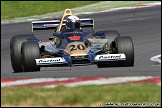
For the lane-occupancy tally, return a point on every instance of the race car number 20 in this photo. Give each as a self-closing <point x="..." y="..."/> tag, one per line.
<point x="76" y="47"/>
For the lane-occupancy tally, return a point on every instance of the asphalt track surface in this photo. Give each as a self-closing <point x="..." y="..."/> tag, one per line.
<point x="143" y="25"/>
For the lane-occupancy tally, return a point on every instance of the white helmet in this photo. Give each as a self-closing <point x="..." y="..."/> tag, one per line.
<point x="73" y="22"/>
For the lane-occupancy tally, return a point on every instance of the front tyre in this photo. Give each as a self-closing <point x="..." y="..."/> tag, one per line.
<point x="30" y="52"/>
<point x="15" y="50"/>
<point x="125" y="45"/>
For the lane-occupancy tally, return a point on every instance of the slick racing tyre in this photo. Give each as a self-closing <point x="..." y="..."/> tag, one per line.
<point x="15" y="50"/>
<point x="125" y="45"/>
<point x="30" y="52"/>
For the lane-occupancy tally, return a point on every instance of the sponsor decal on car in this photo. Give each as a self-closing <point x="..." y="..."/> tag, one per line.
<point x="79" y="57"/>
<point x="49" y="25"/>
<point x="73" y="38"/>
<point x="73" y="32"/>
<point x="50" y="60"/>
<point x="110" y="57"/>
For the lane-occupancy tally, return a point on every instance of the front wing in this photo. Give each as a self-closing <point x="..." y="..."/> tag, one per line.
<point x="67" y="61"/>
<point x="110" y="57"/>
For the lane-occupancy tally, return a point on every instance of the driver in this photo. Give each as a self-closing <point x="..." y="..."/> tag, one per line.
<point x="73" y="22"/>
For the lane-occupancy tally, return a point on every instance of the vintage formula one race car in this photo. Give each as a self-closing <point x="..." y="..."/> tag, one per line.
<point x="72" y="44"/>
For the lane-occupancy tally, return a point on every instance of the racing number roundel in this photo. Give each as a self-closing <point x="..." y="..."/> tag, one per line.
<point x="76" y="47"/>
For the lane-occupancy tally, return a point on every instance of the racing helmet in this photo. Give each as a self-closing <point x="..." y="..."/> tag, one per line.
<point x="73" y="22"/>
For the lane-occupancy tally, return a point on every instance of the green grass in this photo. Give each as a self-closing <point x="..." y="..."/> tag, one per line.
<point x="13" y="9"/>
<point x="114" y="4"/>
<point x="91" y="95"/>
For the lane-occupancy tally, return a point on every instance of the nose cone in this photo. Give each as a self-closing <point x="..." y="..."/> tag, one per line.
<point x="78" y="53"/>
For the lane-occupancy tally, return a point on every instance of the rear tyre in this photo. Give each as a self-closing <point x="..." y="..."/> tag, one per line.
<point x="15" y="50"/>
<point x="30" y="52"/>
<point x="125" y="45"/>
<point x="111" y="35"/>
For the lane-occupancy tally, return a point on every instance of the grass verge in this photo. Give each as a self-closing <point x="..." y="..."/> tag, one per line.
<point x="112" y="4"/>
<point x="13" y="9"/>
<point x="91" y="95"/>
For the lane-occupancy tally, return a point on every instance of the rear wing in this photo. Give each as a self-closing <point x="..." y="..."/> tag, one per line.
<point x="58" y="24"/>
<point x="54" y="24"/>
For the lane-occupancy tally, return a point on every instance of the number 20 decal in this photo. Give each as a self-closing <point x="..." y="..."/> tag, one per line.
<point x="76" y="47"/>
